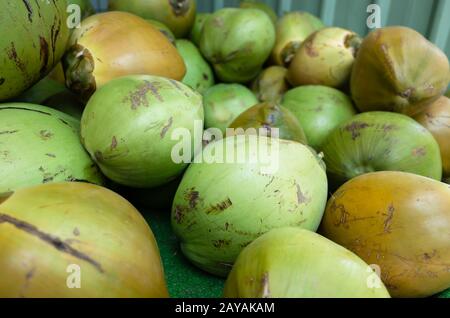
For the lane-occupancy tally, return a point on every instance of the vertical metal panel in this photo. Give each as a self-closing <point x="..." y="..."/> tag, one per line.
<point x="350" y="14"/>
<point x="440" y="25"/>
<point x="412" y="13"/>
<point x="385" y="6"/>
<point x="218" y="4"/>
<point x="205" y="5"/>
<point x="327" y="10"/>
<point x="100" y="5"/>
<point x="284" y="6"/>
<point x="429" y="17"/>
<point x="447" y="47"/>
<point x="272" y="3"/>
<point x="232" y="3"/>
<point x="311" y="6"/>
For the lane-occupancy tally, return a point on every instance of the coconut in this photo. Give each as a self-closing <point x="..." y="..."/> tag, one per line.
<point x="237" y="42"/>
<point x="271" y="84"/>
<point x="223" y="103"/>
<point x="381" y="141"/>
<point x="325" y="58"/>
<point x="199" y="75"/>
<point x="114" y="44"/>
<point x="399" y="222"/>
<point x="397" y="69"/>
<point x="57" y="74"/>
<point x="240" y="188"/>
<point x="127" y="128"/>
<point x="76" y="240"/>
<point x="196" y="31"/>
<point x="436" y="118"/>
<point x="291" y="30"/>
<point x="41" y="145"/>
<point x="295" y="263"/>
<point x="163" y="29"/>
<point x="178" y="15"/>
<point x="319" y="110"/>
<point x="269" y="116"/>
<point x="33" y="41"/>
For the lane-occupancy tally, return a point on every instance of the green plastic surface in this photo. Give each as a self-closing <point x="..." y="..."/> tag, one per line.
<point x="183" y="279"/>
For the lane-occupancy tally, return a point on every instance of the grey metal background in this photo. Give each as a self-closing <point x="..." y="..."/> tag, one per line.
<point x="429" y="17"/>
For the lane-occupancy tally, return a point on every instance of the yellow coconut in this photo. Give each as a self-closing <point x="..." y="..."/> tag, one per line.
<point x="114" y="44"/>
<point x="399" y="222"/>
<point x="76" y="240"/>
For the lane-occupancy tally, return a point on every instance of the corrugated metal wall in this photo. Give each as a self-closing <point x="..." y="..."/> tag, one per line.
<point x="429" y="17"/>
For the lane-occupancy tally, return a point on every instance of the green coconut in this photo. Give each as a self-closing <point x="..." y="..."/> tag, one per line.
<point x="196" y="31"/>
<point x="291" y="30"/>
<point x="34" y="39"/>
<point x="319" y="109"/>
<point x="199" y="75"/>
<point x="381" y="141"/>
<point x="240" y="188"/>
<point x="295" y="263"/>
<point x="41" y="145"/>
<point x="164" y="29"/>
<point x="326" y="57"/>
<point x="253" y="4"/>
<point x="178" y="15"/>
<point x="271" y="84"/>
<point x="237" y="42"/>
<point x="223" y="103"/>
<point x="397" y="69"/>
<point x="41" y="91"/>
<point x="268" y="116"/>
<point x="128" y="123"/>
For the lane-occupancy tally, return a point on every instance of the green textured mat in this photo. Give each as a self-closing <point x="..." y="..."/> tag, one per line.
<point x="444" y="294"/>
<point x="183" y="279"/>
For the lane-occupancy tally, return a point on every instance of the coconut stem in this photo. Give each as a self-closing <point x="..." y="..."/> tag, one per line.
<point x="78" y="68"/>
<point x="180" y="7"/>
<point x="353" y="41"/>
<point x="289" y="51"/>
